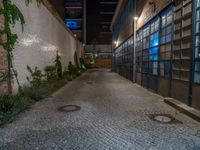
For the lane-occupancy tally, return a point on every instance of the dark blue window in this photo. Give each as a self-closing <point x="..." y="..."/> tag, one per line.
<point x="154" y="40"/>
<point x="72" y="24"/>
<point x="197" y="44"/>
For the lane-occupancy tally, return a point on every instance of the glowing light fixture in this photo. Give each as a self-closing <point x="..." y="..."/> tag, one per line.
<point x="136" y="18"/>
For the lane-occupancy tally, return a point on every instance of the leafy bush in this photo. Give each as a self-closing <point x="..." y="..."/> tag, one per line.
<point x="10" y="106"/>
<point x="6" y="104"/>
<point x="82" y="64"/>
<point x="73" y="70"/>
<point x="58" y="65"/>
<point x="36" y="76"/>
<point x="67" y="75"/>
<point x="51" y="74"/>
<point x="35" y="93"/>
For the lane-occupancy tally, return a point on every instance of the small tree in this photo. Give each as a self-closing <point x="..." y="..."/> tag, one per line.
<point x="58" y="65"/>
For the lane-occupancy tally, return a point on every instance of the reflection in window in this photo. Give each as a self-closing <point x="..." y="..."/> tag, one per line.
<point x="154" y="40"/>
<point x="197" y="72"/>
<point x="165" y="40"/>
<point x="165" y="68"/>
<point x="198" y="3"/>
<point x="197" y="45"/>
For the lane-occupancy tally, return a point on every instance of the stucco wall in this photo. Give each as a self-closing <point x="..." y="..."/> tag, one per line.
<point x="43" y="35"/>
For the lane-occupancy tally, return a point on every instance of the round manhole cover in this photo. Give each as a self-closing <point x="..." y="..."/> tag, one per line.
<point x="164" y="118"/>
<point x="69" y="108"/>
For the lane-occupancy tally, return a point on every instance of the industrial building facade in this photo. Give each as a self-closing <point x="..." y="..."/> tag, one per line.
<point x="157" y="45"/>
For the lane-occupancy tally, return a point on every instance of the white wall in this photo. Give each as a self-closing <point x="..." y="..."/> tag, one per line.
<point x="43" y="35"/>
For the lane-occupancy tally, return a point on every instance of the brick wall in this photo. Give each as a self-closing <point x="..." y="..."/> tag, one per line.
<point x="147" y="12"/>
<point x="3" y="56"/>
<point x="100" y="63"/>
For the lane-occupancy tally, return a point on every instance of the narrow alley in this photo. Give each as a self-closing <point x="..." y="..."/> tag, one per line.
<point x="114" y="114"/>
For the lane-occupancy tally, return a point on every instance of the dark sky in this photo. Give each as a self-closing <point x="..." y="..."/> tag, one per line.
<point x="94" y="18"/>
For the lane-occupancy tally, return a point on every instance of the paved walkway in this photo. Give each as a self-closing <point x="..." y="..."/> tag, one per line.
<point x="114" y="115"/>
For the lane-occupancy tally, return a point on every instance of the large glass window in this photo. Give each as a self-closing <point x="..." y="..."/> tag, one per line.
<point x="154" y="39"/>
<point x="139" y="51"/>
<point x="165" y="41"/>
<point x="197" y="72"/>
<point x="197" y="44"/>
<point x="153" y="52"/>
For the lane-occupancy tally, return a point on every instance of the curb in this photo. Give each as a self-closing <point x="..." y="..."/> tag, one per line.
<point x="183" y="108"/>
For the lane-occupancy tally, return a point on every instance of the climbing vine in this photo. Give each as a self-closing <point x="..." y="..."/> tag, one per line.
<point x="11" y="14"/>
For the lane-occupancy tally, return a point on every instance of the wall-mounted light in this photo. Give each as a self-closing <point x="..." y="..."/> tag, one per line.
<point x="115" y="42"/>
<point x="136" y="18"/>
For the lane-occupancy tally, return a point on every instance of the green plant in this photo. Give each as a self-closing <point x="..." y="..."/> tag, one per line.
<point x="82" y="64"/>
<point x="10" y="106"/>
<point x="73" y="70"/>
<point x="36" y="76"/>
<point x="35" y="93"/>
<point x="11" y="15"/>
<point x="12" y="103"/>
<point x="58" y="65"/>
<point x="51" y="73"/>
<point x="6" y="104"/>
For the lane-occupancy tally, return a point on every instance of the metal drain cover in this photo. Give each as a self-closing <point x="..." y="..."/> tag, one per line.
<point x="69" y="108"/>
<point x="164" y="118"/>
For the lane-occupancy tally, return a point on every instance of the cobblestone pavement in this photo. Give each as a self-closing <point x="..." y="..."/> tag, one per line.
<point x="114" y="115"/>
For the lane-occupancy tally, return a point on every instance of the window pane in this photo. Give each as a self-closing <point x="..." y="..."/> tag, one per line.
<point x="154" y="40"/>
<point x="169" y="19"/>
<point x="197" y="41"/>
<point x="197" y="52"/>
<point x="198" y="15"/>
<point x="168" y="38"/>
<point x="167" y="68"/>
<point x="198" y="27"/>
<point x="163" y="20"/>
<point x="198" y="3"/>
<point x="153" y="50"/>
<point x="169" y="29"/>
<point x="197" y="67"/>
<point x="197" y="77"/>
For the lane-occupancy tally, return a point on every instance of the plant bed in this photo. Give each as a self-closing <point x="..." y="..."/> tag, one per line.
<point x="11" y="106"/>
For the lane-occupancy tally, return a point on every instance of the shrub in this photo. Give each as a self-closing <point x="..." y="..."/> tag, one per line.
<point x="73" y="70"/>
<point x="6" y="104"/>
<point x="13" y="103"/>
<point x="67" y="75"/>
<point x="58" y="65"/>
<point x="82" y="64"/>
<point x="36" y="76"/>
<point x="35" y="93"/>
<point x="51" y="74"/>
<point x="10" y="106"/>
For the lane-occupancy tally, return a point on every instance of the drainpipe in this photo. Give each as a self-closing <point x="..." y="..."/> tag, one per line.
<point x="134" y="51"/>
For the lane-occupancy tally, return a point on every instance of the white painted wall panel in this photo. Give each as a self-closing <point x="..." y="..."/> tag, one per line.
<point x="43" y="35"/>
